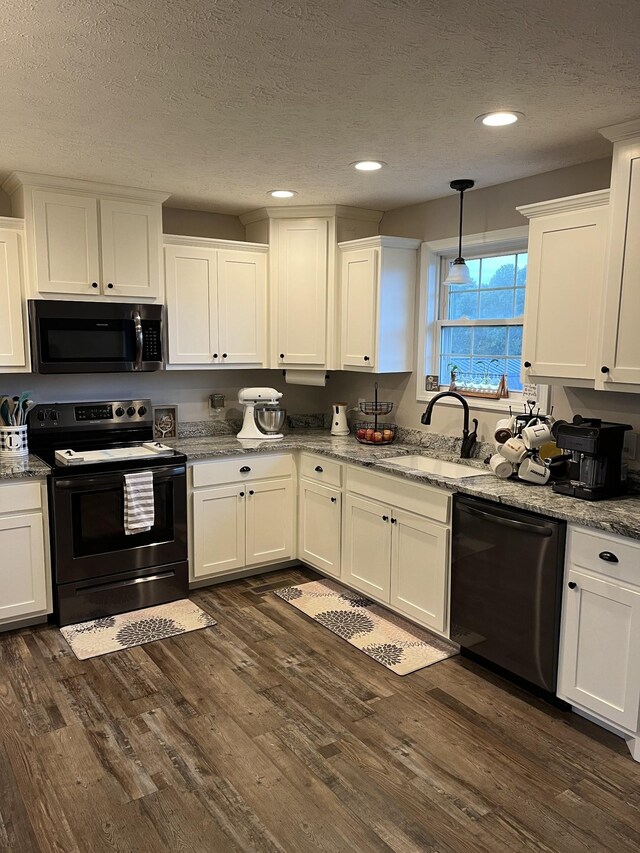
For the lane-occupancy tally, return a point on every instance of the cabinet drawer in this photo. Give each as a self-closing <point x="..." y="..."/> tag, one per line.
<point x="16" y="497"/>
<point x="241" y="468"/>
<point x="585" y="547"/>
<point x="422" y="499"/>
<point x="321" y="469"/>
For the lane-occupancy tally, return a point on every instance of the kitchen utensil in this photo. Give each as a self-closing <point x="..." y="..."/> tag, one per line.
<point x="514" y="450"/>
<point x="26" y="408"/>
<point x="500" y="466"/>
<point x="533" y="470"/>
<point x="18" y="403"/>
<point x="339" y="425"/>
<point x="257" y="400"/>
<point x="6" y="411"/>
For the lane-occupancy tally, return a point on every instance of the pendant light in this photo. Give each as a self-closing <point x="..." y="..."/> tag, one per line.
<point x="459" y="271"/>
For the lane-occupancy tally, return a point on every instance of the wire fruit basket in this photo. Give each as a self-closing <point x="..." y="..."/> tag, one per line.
<point x="375" y="432"/>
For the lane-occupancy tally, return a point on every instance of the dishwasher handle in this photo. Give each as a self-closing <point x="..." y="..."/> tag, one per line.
<point x="538" y="529"/>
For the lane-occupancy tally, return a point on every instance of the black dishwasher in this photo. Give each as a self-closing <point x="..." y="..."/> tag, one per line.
<point x="506" y="588"/>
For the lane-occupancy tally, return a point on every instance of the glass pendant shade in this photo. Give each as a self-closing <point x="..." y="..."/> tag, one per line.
<point x="459" y="271"/>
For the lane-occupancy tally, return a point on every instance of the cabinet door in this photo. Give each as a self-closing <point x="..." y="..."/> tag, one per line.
<point x="600" y="648"/>
<point x="66" y="243"/>
<point x="367" y="546"/>
<point x="270" y="521"/>
<point x="131" y="246"/>
<point x="192" y="305"/>
<point x="12" y="329"/>
<point x="419" y="568"/>
<point x="218" y="530"/>
<point x="565" y="282"/>
<point x="242" y="291"/>
<point x="23" y="571"/>
<point x="320" y="527"/>
<point x="301" y="291"/>
<point x="359" y="282"/>
<point x="621" y="341"/>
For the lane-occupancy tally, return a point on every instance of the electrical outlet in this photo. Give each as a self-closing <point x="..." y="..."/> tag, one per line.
<point x="630" y="447"/>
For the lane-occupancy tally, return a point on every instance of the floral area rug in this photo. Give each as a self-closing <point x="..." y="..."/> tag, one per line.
<point x="114" y="633"/>
<point x="387" y="638"/>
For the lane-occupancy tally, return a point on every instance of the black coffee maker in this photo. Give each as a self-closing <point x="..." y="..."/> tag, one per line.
<point x="595" y="467"/>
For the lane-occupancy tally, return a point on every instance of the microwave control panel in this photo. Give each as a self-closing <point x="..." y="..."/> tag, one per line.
<point x="152" y="347"/>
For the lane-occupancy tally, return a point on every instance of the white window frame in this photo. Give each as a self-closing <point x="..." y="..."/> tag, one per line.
<point x="431" y="254"/>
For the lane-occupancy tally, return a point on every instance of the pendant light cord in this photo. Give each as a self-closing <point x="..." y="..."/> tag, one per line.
<point x="460" y="226"/>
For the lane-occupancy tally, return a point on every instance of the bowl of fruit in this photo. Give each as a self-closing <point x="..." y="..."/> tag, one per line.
<point x="368" y="433"/>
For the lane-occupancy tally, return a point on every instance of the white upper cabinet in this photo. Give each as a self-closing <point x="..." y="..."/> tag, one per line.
<point x="13" y="336"/>
<point x="620" y="360"/>
<point x="304" y="308"/>
<point x="65" y="230"/>
<point x="89" y="240"/>
<point x="378" y="287"/>
<point x="565" y="284"/>
<point x="131" y="248"/>
<point x="216" y="302"/>
<point x="301" y="291"/>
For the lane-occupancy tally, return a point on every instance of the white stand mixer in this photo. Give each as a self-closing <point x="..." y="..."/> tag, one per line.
<point x="261" y="403"/>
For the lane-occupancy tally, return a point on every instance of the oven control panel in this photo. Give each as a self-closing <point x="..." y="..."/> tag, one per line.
<point x="111" y="415"/>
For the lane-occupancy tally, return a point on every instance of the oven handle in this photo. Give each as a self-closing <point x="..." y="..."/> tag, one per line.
<point x="159" y="475"/>
<point x="130" y="582"/>
<point x="137" y="323"/>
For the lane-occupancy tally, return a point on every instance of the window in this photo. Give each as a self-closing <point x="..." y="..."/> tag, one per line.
<point x="480" y="324"/>
<point x="477" y="327"/>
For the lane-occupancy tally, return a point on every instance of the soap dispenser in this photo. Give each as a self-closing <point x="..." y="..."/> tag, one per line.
<point x="339" y="425"/>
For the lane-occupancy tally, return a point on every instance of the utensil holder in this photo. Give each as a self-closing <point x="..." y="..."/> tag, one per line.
<point x="13" y="442"/>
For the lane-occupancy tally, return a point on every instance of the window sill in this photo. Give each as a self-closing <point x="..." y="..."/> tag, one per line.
<point x="487" y="404"/>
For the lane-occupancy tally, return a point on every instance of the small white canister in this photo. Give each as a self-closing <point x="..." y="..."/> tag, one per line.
<point x="13" y="442"/>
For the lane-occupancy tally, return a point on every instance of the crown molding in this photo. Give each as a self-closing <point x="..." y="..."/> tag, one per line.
<point x="212" y="243"/>
<point x="32" y="179"/>
<point x="12" y="222"/>
<point x="568" y="204"/>
<point x="381" y="241"/>
<point x="621" y="132"/>
<point x="310" y="212"/>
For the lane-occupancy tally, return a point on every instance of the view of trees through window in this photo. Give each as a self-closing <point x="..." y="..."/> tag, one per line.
<point x="471" y="343"/>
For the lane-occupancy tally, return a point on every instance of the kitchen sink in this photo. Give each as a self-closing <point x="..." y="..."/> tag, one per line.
<point x="453" y="470"/>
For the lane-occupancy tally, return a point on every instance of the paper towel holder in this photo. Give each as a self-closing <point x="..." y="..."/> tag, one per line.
<point x="326" y="376"/>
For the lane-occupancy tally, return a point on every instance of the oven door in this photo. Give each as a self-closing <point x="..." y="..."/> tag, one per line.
<point x="89" y="540"/>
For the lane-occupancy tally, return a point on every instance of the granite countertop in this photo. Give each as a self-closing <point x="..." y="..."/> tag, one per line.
<point x="619" y="515"/>
<point x="23" y="468"/>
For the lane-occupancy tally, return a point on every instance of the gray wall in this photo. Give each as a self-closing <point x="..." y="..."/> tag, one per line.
<point x="201" y="223"/>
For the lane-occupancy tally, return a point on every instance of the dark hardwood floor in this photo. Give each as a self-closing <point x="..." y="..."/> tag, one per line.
<point x="268" y="733"/>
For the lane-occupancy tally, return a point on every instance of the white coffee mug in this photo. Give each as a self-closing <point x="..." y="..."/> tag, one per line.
<point x="536" y="435"/>
<point x="532" y="470"/>
<point x="500" y="466"/>
<point x="514" y="450"/>
<point x="503" y="430"/>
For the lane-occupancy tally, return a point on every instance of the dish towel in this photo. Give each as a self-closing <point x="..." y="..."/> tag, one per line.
<point x="139" y="514"/>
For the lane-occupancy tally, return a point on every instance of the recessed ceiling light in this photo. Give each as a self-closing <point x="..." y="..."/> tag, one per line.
<point x="499" y="119"/>
<point x="368" y="165"/>
<point x="282" y="193"/>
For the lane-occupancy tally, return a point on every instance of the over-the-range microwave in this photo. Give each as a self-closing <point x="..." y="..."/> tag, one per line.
<point x="95" y="337"/>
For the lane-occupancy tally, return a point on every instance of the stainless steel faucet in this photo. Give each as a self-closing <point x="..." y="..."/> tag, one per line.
<point x="468" y="439"/>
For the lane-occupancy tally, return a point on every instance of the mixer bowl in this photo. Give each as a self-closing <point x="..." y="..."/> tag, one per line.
<point x="270" y="421"/>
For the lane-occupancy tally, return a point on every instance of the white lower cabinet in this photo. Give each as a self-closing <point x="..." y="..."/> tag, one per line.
<point x="367" y="546"/>
<point x="599" y="669"/>
<point x="394" y="553"/>
<point x="25" y="578"/>
<point x="245" y="521"/>
<point x="320" y="526"/>
<point x="419" y="553"/>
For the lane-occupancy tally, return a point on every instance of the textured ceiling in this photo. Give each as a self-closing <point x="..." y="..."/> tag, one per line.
<point x="219" y="101"/>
